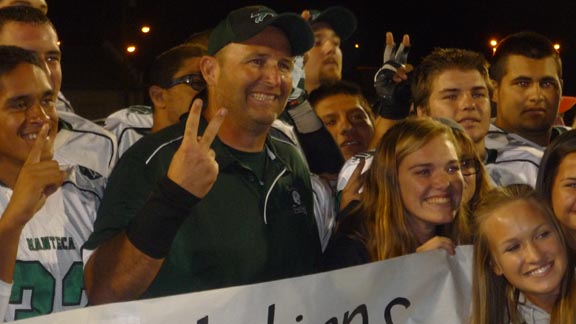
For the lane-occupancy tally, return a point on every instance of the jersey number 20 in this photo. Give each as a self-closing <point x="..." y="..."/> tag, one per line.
<point x="32" y="276"/>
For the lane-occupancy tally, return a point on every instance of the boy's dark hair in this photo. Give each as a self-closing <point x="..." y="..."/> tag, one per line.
<point x="12" y="56"/>
<point x="199" y="38"/>
<point x="527" y="43"/>
<point x="23" y="14"/>
<point x="169" y="62"/>
<point x="340" y="87"/>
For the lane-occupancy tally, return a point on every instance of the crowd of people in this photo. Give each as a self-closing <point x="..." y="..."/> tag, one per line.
<point x="281" y="169"/>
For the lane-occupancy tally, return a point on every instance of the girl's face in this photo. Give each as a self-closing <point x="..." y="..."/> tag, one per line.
<point x="564" y="192"/>
<point x="526" y="249"/>
<point x="431" y="184"/>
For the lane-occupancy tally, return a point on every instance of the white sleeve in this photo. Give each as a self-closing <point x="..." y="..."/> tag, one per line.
<point x="349" y="167"/>
<point x="515" y="165"/>
<point x="5" y="290"/>
<point x="324" y="209"/>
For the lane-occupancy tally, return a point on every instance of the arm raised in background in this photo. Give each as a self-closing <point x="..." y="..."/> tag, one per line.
<point x="392" y="85"/>
<point x="123" y="267"/>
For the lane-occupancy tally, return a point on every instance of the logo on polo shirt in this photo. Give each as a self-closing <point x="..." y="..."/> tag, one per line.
<point x="297" y="207"/>
<point x="296" y="198"/>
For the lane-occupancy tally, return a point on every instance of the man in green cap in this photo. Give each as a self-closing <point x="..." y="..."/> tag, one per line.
<point x="213" y="201"/>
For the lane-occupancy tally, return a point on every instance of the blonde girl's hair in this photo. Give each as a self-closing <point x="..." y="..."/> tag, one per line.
<point x="494" y="299"/>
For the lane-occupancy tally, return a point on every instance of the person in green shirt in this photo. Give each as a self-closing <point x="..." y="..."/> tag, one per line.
<point x="213" y="201"/>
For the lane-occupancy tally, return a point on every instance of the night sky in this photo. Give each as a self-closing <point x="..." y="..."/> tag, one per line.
<point x="94" y="33"/>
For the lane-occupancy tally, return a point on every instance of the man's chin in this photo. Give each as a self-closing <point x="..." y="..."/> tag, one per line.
<point x="332" y="77"/>
<point x="540" y="126"/>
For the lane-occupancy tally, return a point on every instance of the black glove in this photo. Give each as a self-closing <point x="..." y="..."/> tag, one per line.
<point x="395" y="97"/>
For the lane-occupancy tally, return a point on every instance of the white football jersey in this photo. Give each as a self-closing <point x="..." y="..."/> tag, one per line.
<point x="517" y="159"/>
<point x="129" y="125"/>
<point x="63" y="104"/>
<point x="324" y="208"/>
<point x="82" y="142"/>
<point x="48" y="276"/>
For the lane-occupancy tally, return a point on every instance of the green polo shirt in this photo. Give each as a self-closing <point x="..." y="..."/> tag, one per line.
<point x="244" y="231"/>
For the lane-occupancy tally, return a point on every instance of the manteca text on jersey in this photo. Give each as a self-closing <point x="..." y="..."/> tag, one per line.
<point x="50" y="243"/>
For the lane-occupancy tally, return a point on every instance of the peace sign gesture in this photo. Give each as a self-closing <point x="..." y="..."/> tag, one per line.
<point x="394" y="68"/>
<point x="398" y="55"/>
<point x="194" y="166"/>
<point x="391" y="80"/>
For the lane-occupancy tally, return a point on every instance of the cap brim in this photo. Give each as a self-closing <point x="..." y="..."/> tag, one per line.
<point x="566" y="103"/>
<point x="297" y="31"/>
<point x="342" y="20"/>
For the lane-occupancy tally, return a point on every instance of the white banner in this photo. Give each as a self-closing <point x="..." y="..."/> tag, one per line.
<point x="430" y="287"/>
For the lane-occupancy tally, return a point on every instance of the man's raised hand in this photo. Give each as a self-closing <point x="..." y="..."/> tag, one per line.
<point x="36" y="180"/>
<point x="395" y="67"/>
<point x="194" y="165"/>
<point x="398" y="55"/>
<point x="391" y="80"/>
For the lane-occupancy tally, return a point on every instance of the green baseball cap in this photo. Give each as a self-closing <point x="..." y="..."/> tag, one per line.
<point x="243" y="23"/>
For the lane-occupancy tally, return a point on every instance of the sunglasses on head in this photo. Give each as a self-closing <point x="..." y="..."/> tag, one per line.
<point x="194" y="80"/>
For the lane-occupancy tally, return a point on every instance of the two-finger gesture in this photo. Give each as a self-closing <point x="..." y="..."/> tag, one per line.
<point x="194" y="165"/>
<point x="391" y="80"/>
<point x="394" y="68"/>
<point x="397" y="55"/>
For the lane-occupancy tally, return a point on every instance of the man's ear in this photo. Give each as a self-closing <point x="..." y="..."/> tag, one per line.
<point x="156" y="94"/>
<point x="209" y="67"/>
<point x="494" y="90"/>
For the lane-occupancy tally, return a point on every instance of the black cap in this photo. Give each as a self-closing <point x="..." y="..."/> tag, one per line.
<point x="243" y="23"/>
<point x="342" y="20"/>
